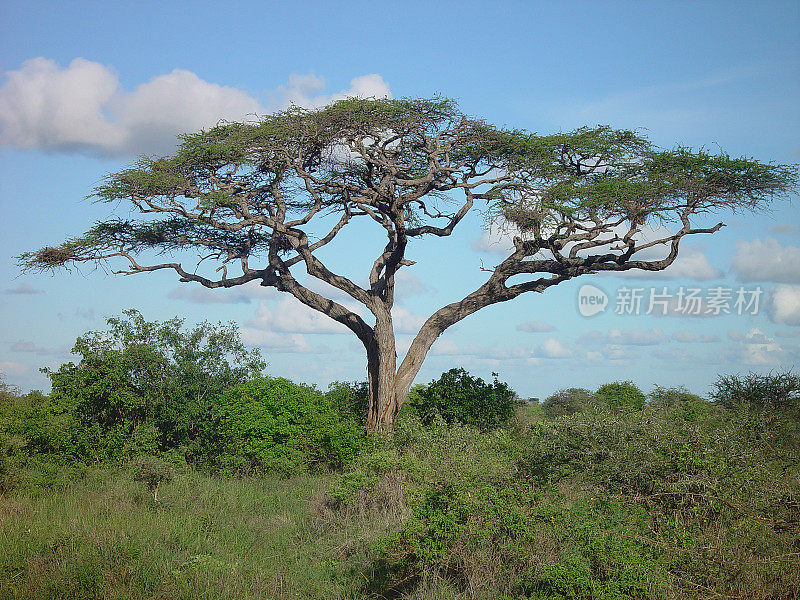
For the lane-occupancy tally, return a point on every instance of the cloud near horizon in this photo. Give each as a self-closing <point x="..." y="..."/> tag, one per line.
<point x="783" y="304"/>
<point x="766" y="260"/>
<point x="83" y="108"/>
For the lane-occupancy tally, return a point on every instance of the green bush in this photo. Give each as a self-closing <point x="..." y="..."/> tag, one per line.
<point x="351" y="400"/>
<point x="274" y="425"/>
<point x="457" y="397"/>
<point x="621" y="395"/>
<point x="568" y="401"/>
<point x="680" y="403"/>
<point x="153" y="471"/>
<point x="776" y="390"/>
<point x="664" y="397"/>
<point x="149" y="372"/>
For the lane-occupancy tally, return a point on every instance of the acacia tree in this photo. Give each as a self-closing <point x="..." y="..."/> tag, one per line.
<point x="262" y="198"/>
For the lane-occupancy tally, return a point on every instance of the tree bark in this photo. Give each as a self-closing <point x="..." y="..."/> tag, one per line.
<point x="384" y="403"/>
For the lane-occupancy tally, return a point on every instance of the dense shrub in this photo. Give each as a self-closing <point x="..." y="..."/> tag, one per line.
<point x="680" y="403"/>
<point x="351" y="400"/>
<point x="621" y="395"/>
<point x="274" y="425"/>
<point x="604" y="503"/>
<point x="568" y="401"/>
<point x="664" y="397"/>
<point x="150" y="372"/>
<point x="458" y="397"/>
<point x="778" y="390"/>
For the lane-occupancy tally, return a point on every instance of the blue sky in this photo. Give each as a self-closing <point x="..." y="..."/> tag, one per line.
<point x="86" y="86"/>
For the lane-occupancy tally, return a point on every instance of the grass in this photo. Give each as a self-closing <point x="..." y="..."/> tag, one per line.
<point x="208" y="538"/>
<point x="679" y="503"/>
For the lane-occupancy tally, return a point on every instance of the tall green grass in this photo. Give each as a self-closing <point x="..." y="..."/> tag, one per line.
<point x="103" y="537"/>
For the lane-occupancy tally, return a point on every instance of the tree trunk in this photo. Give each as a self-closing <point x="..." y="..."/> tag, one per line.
<point x="382" y="371"/>
<point x="388" y="387"/>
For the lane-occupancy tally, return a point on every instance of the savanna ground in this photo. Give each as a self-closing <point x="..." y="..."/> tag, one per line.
<point x="679" y="498"/>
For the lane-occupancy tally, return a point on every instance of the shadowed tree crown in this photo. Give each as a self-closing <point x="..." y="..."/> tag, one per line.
<point x="259" y="200"/>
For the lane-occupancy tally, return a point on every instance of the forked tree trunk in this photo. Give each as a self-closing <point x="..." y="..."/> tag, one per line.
<point x="388" y="385"/>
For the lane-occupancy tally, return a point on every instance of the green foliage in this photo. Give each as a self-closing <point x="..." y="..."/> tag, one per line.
<point x="621" y="395"/>
<point x="41" y="444"/>
<point x="141" y="372"/>
<point x="601" y="503"/>
<point x="144" y="440"/>
<point x="682" y="499"/>
<point x="669" y="398"/>
<point x="680" y="403"/>
<point x="568" y="401"/>
<point x="152" y="471"/>
<point x="778" y="390"/>
<point x="351" y="400"/>
<point x="458" y="397"/>
<point x="586" y="173"/>
<point x="274" y="425"/>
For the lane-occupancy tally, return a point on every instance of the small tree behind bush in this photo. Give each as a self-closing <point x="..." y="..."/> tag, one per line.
<point x="568" y="401"/>
<point x="458" y="397"/>
<point x="621" y="395"/>
<point x="153" y="471"/>
<point x="151" y="373"/>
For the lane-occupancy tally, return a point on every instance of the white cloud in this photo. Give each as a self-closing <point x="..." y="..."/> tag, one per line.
<point x="636" y="337"/>
<point x="288" y="315"/>
<point x="684" y="337"/>
<point x="784" y="304"/>
<point x="536" y="327"/>
<point x="617" y="352"/>
<point x="22" y="289"/>
<point x="767" y="260"/>
<point x="408" y="284"/>
<point x="756" y="348"/>
<point x="276" y="342"/>
<point x="304" y="90"/>
<point x="552" y="348"/>
<point x="406" y="321"/>
<point x="691" y="263"/>
<point x="82" y="107"/>
<point x="43" y="106"/>
<point x="174" y="103"/>
<point x="496" y="241"/>
<point x="625" y="337"/>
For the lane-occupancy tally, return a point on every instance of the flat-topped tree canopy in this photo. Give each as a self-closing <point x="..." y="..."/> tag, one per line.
<point x="261" y="197"/>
